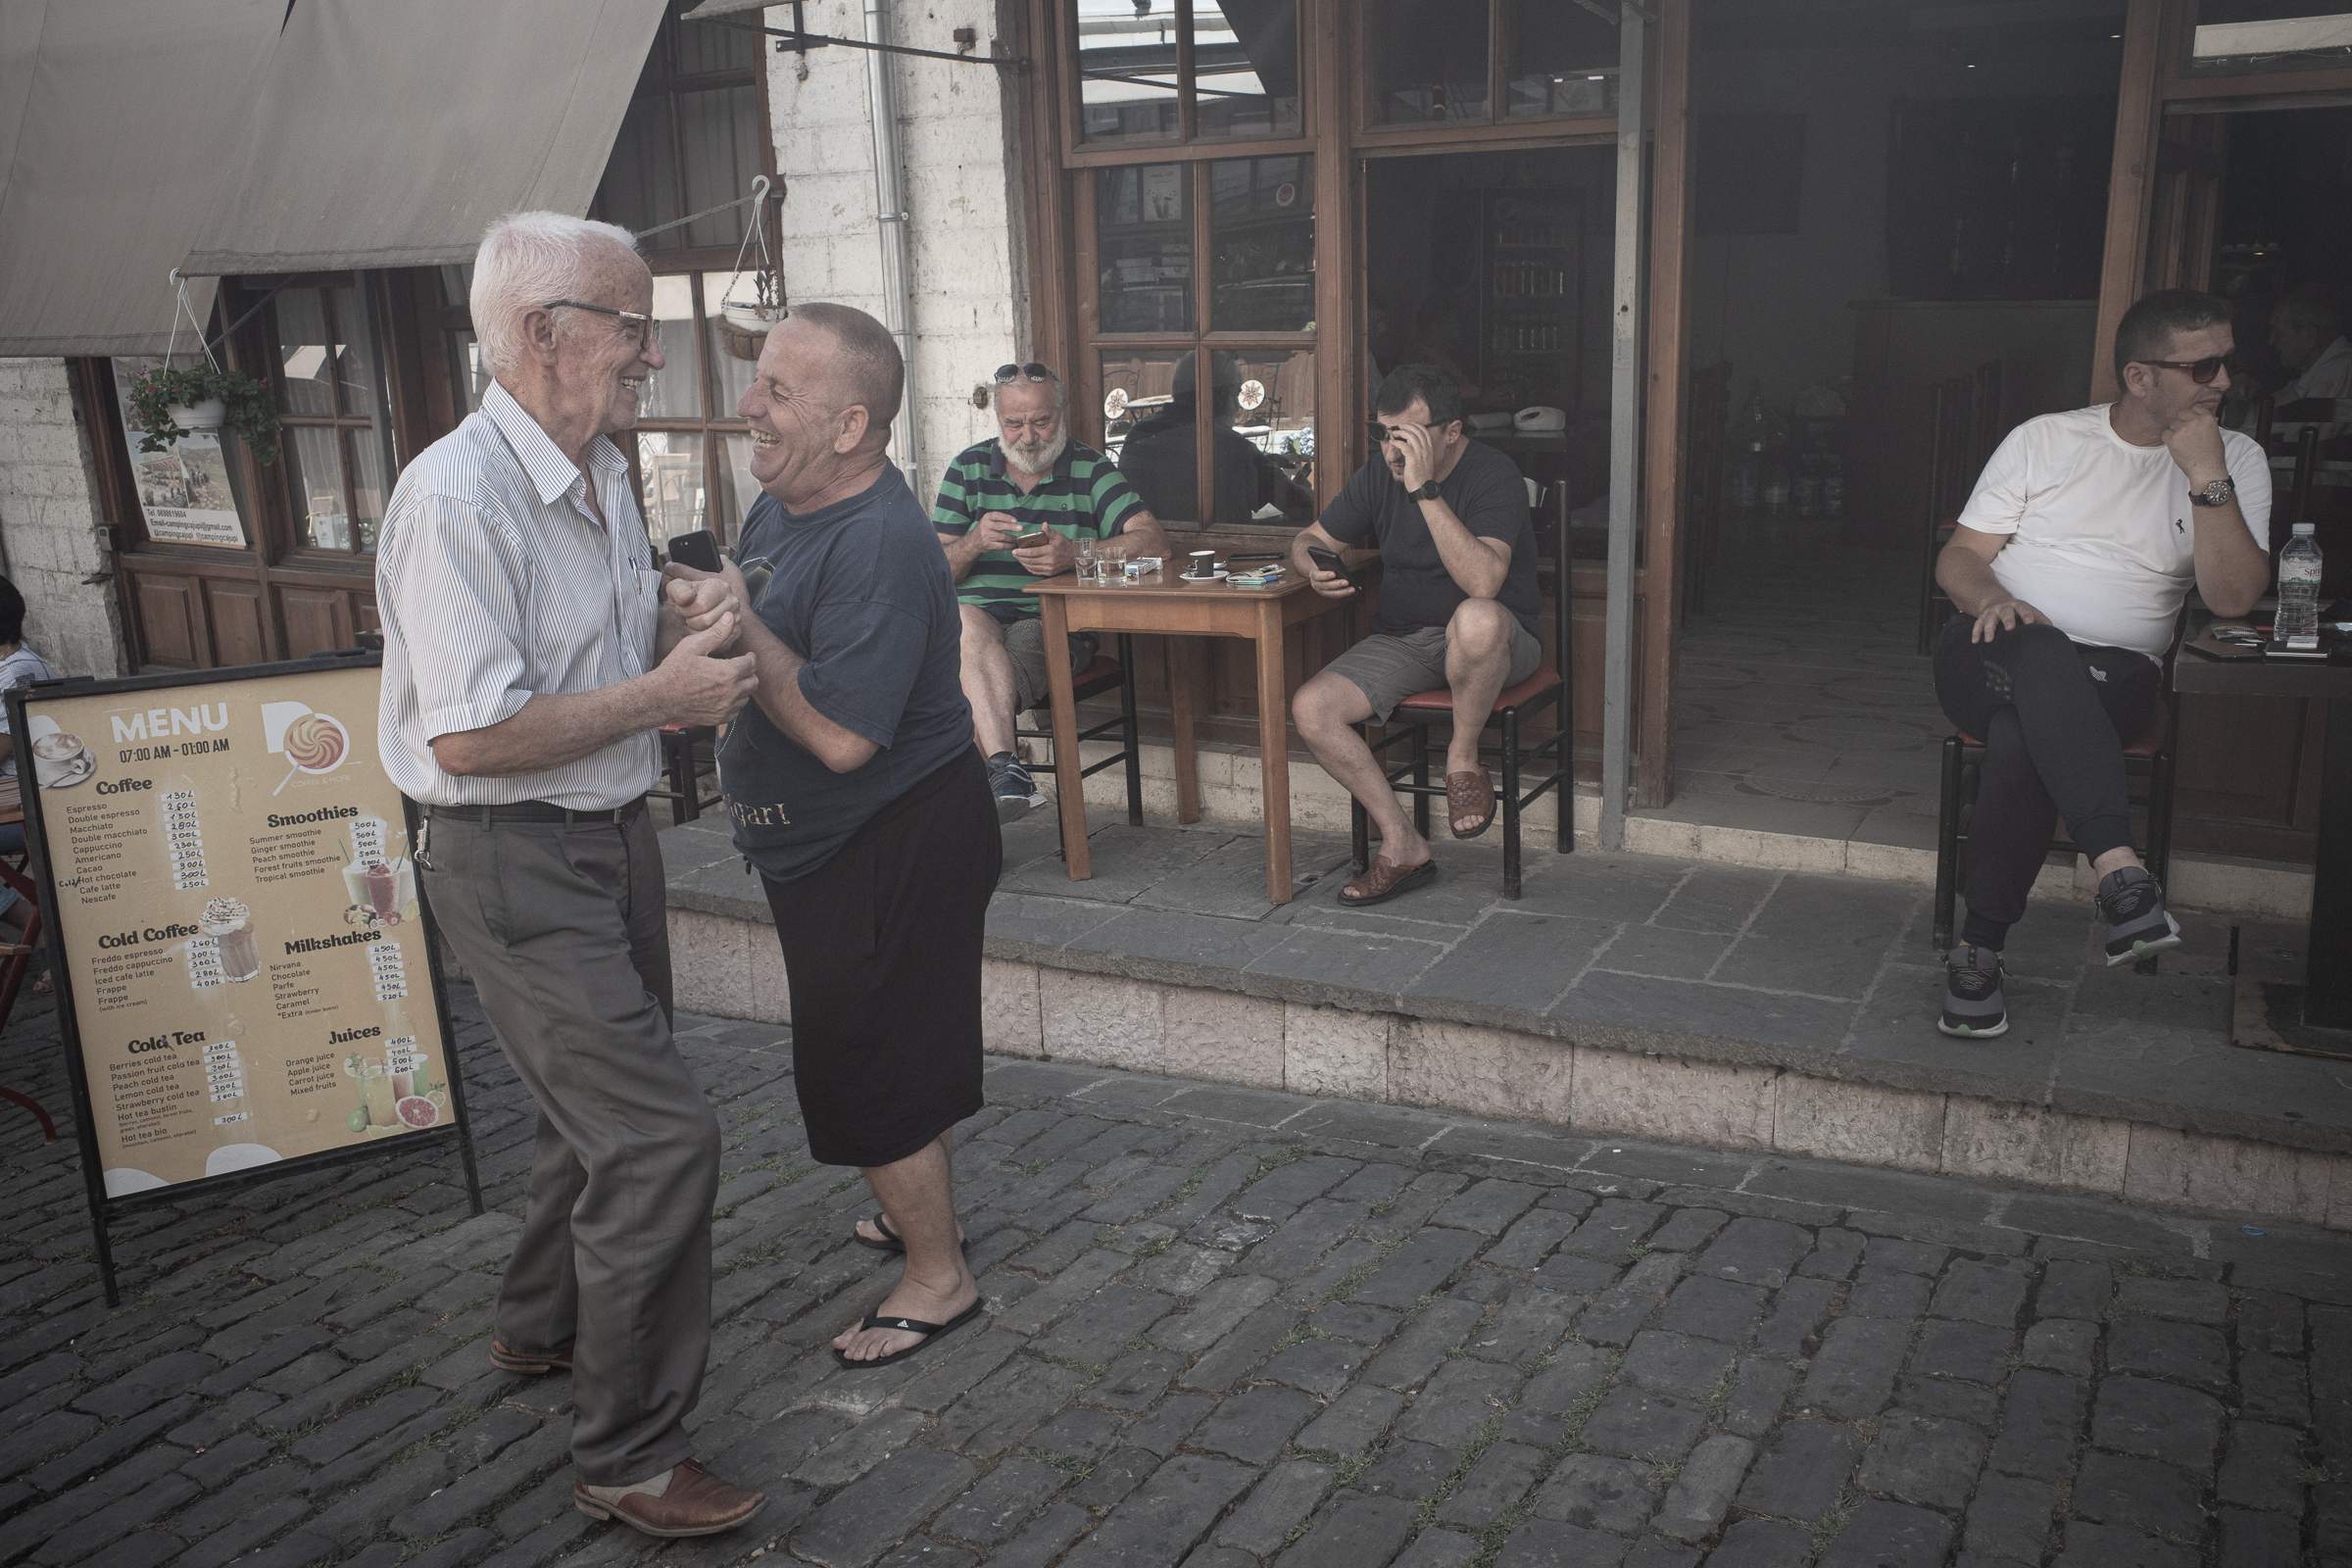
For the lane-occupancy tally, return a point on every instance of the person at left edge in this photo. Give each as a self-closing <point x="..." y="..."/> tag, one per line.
<point x="857" y="793"/>
<point x="530" y="651"/>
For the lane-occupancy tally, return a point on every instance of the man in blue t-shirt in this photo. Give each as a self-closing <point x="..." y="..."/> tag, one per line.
<point x="1459" y="603"/>
<point x="858" y="795"/>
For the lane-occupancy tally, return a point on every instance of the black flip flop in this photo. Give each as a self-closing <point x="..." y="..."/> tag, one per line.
<point x="930" y="1332"/>
<point x="889" y="1242"/>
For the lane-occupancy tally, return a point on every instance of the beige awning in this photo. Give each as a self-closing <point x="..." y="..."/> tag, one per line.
<point x="114" y="119"/>
<point x="727" y="8"/>
<point x="391" y="132"/>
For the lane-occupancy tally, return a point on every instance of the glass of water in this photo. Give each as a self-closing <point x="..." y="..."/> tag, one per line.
<point x="1090" y="566"/>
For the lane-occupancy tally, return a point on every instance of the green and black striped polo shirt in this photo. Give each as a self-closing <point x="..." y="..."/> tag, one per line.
<point x="1087" y="498"/>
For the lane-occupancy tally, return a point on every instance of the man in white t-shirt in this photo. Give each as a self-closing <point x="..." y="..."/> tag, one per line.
<point x="2070" y="565"/>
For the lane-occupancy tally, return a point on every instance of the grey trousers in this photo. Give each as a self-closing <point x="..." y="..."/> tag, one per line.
<point x="565" y="932"/>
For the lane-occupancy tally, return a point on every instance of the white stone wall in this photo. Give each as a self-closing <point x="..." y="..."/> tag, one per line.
<point x="49" y="520"/>
<point x="958" y="139"/>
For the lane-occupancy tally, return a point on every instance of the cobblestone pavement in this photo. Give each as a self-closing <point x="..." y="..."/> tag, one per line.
<point x="1226" y="1328"/>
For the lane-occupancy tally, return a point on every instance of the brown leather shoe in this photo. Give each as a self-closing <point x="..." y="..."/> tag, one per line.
<point x="697" y="1504"/>
<point x="527" y="1362"/>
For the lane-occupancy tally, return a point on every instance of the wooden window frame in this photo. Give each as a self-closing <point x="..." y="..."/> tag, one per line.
<point x="1188" y="143"/>
<point x="2185" y="81"/>
<point x="1504" y="131"/>
<point x="376" y="328"/>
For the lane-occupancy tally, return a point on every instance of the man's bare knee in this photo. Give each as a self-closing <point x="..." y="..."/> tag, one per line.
<point x="1479" y="628"/>
<point x="1327" y="705"/>
<point x="979" y="623"/>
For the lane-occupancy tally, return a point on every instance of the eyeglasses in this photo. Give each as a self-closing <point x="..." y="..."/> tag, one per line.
<point x="2203" y="371"/>
<point x="642" y="322"/>
<point x="1032" y="372"/>
<point x="1382" y="430"/>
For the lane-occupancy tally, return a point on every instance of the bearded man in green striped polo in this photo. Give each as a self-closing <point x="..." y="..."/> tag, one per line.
<point x="1031" y="480"/>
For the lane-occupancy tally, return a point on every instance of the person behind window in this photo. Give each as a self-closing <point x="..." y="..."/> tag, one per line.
<point x="1457" y="612"/>
<point x="1158" y="459"/>
<point x="1032" y="478"/>
<point x="2307" y="333"/>
<point x="1437" y="336"/>
<point x="20" y="666"/>
<point x="2073" y="553"/>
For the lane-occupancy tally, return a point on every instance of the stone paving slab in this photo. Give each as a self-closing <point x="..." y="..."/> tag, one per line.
<point x="1227" y="1328"/>
<point x="1826" y="975"/>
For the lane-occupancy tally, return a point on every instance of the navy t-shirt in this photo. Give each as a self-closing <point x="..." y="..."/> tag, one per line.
<point x="861" y="589"/>
<point x="1416" y="590"/>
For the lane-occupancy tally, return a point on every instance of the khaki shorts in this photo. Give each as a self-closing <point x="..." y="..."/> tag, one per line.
<point x="1388" y="669"/>
<point x="1025" y="645"/>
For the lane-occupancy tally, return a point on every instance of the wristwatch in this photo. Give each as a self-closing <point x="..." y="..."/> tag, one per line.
<point x="1432" y="490"/>
<point x="2216" y="494"/>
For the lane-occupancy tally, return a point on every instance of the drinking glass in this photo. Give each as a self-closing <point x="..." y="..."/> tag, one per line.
<point x="1089" y="562"/>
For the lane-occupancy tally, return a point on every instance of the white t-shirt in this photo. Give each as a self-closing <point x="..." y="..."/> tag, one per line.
<point x="2330" y="375"/>
<point x="2102" y="541"/>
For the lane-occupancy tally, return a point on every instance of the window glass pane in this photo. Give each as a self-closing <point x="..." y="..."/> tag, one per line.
<point x="714" y="46"/>
<point x="1429" y="60"/>
<point x="1144" y="240"/>
<point x="1126" y="71"/>
<point x="1558" y="59"/>
<point x="1261" y="235"/>
<point x="737" y="489"/>
<point x="641" y="179"/>
<point x="674" y="391"/>
<point x="468" y="372"/>
<point x="1262" y="435"/>
<point x="1149" y="437"/>
<point x="315" y="484"/>
<point x="304" y="355"/>
<point x="457" y="285"/>
<point x="367" y="483"/>
<point x="354" y="356"/>
<point x="720" y="129"/>
<point x="671" y="465"/>
<point x="728" y="345"/>
<point x="1245" y="68"/>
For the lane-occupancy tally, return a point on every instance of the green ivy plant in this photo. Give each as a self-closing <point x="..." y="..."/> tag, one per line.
<point x="250" y="416"/>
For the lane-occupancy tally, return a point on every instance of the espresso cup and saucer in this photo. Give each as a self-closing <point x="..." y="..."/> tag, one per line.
<point x="1202" y="567"/>
<point x="61" y="761"/>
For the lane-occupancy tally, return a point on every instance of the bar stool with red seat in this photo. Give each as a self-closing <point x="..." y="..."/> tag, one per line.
<point x="2151" y="757"/>
<point x="1545" y="688"/>
<point x="683" y="765"/>
<point x="1101" y="675"/>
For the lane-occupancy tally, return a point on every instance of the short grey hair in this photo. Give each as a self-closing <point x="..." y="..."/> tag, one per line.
<point x="525" y="260"/>
<point x="1052" y="381"/>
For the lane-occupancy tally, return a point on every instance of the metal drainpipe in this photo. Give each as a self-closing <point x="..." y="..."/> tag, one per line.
<point x="890" y="214"/>
<point x="1626" y="384"/>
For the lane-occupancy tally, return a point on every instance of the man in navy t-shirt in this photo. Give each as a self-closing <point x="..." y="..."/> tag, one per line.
<point x="857" y="792"/>
<point x="1459" y="603"/>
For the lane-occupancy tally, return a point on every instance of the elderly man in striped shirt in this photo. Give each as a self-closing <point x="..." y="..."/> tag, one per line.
<point x="1031" y="482"/>
<point x="530" y="649"/>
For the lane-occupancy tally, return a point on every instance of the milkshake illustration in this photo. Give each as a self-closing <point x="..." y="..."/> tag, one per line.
<point x="230" y="926"/>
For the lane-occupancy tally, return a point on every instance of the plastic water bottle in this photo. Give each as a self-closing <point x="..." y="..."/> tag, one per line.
<point x="2298" y="619"/>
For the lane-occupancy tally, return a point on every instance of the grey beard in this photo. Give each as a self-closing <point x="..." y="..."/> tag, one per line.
<point x="1043" y="461"/>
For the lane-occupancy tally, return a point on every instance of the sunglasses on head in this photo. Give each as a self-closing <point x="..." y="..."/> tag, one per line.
<point x="2203" y="371"/>
<point x="1032" y="372"/>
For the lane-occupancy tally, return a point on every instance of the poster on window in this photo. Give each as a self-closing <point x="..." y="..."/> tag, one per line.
<point x="241" y="953"/>
<point x="184" y="491"/>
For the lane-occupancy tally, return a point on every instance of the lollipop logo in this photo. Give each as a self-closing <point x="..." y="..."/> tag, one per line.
<point x="310" y="742"/>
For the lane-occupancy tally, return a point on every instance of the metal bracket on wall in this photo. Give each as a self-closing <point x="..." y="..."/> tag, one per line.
<point x="792" y="42"/>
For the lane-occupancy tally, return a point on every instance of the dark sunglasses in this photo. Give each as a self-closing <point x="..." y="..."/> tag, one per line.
<point x="1032" y="372"/>
<point x="643" y="323"/>
<point x="2203" y="371"/>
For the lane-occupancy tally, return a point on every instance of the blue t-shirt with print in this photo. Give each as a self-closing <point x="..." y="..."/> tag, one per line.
<point x="861" y="590"/>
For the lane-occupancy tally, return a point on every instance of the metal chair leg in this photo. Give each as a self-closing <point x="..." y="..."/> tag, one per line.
<point x="1420" y="745"/>
<point x="1510" y="803"/>
<point x="1359" y="824"/>
<point x="1128" y="733"/>
<point x="1947" y="844"/>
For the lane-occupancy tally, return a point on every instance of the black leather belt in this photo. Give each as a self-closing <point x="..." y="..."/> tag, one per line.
<point x="530" y="812"/>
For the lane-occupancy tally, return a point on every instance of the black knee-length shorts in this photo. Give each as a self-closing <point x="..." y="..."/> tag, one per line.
<point x="882" y="947"/>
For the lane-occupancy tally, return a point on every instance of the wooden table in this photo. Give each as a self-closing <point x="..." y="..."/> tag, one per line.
<point x="2327" y="990"/>
<point x="1164" y="603"/>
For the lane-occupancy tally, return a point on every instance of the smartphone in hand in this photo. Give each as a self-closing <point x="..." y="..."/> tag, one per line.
<point x="699" y="550"/>
<point x="1029" y="541"/>
<point x="1330" y="560"/>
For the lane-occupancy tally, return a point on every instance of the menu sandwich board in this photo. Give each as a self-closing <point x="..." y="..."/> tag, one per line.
<point x="248" y="981"/>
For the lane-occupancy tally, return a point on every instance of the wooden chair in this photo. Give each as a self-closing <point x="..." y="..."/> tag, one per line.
<point x="1703" y="480"/>
<point x="1100" y="675"/>
<point x="16" y="962"/>
<point x="1553" y="688"/>
<point x="683" y="766"/>
<point x="1951" y="474"/>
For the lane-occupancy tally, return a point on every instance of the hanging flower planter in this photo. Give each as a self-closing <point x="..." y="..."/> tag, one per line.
<point x="745" y="315"/>
<point x="167" y="404"/>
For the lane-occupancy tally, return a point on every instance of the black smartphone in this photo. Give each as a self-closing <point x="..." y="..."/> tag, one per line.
<point x="1330" y="560"/>
<point x="699" y="550"/>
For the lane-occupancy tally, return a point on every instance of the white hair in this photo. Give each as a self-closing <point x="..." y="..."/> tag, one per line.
<point x="525" y="260"/>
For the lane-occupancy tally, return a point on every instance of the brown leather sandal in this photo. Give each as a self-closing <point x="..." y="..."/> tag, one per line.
<point x="1384" y="881"/>
<point x="1467" y="794"/>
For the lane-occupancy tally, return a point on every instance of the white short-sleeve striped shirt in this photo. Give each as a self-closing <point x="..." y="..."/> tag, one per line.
<point x="496" y="582"/>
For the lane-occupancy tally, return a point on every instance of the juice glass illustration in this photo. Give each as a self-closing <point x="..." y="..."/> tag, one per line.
<point x="376" y="1090"/>
<point x="229" y="923"/>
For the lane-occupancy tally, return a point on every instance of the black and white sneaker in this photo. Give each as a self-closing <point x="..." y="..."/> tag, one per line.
<point x="1015" y="791"/>
<point x="1973" y="1007"/>
<point x="2131" y="902"/>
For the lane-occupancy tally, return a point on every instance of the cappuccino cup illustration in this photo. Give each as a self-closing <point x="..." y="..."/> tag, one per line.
<point x="230" y="926"/>
<point x="61" y="759"/>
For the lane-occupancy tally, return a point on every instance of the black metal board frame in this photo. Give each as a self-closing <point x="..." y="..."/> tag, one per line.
<point x="104" y="1209"/>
